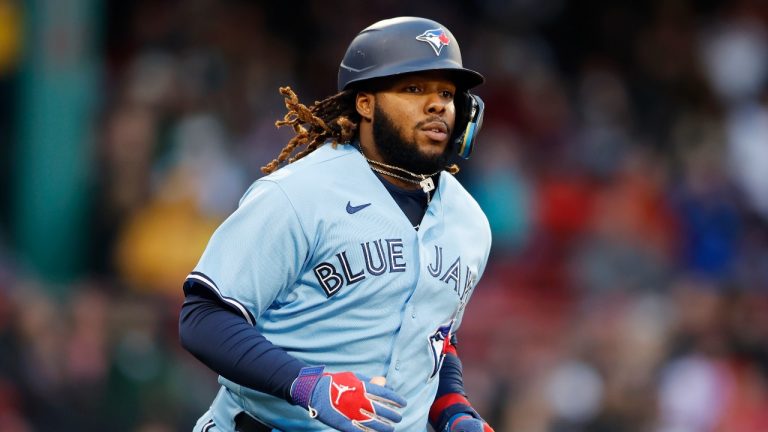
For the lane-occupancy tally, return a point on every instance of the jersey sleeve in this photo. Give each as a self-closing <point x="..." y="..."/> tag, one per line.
<point x="255" y="253"/>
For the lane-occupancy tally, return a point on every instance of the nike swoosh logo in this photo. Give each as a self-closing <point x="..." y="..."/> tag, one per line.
<point x="354" y="209"/>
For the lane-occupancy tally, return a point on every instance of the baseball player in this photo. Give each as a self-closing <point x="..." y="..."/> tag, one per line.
<point x="330" y="299"/>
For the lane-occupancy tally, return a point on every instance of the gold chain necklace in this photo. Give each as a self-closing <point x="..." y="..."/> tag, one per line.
<point x="423" y="180"/>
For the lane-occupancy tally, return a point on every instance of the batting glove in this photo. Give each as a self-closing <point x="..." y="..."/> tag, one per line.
<point x="467" y="423"/>
<point x="346" y="401"/>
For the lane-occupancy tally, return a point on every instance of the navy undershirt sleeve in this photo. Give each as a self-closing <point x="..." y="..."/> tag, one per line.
<point x="451" y="381"/>
<point x="451" y="375"/>
<point x="224" y="341"/>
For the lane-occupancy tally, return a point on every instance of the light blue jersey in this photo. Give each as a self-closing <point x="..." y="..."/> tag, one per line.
<point x="322" y="260"/>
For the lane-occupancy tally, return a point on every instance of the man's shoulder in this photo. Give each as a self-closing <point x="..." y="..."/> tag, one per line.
<point x="456" y="192"/>
<point x="322" y="162"/>
<point x="458" y="198"/>
<point x="318" y="172"/>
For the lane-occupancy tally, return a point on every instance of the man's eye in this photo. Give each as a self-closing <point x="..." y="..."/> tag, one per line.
<point x="412" y="89"/>
<point x="446" y="94"/>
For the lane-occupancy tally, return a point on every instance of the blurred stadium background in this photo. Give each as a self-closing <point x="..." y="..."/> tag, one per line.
<point x="623" y="166"/>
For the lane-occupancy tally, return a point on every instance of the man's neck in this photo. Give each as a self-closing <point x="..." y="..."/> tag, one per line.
<point x="370" y="151"/>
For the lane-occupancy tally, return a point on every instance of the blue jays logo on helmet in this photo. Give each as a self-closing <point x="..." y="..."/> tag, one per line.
<point x="437" y="39"/>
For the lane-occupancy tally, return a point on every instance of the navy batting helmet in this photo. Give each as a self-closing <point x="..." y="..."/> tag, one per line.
<point x="402" y="45"/>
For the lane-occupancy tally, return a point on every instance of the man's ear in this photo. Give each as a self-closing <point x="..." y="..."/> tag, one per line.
<point x="364" y="103"/>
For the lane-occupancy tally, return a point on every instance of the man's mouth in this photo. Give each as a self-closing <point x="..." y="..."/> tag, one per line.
<point x="435" y="130"/>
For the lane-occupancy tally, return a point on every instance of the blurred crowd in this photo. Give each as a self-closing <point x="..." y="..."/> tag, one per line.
<point x="622" y="166"/>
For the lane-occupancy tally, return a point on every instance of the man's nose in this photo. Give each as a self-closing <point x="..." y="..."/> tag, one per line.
<point x="435" y="104"/>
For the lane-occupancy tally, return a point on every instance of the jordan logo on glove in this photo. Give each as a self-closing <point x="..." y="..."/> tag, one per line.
<point x="354" y="398"/>
<point x="340" y="390"/>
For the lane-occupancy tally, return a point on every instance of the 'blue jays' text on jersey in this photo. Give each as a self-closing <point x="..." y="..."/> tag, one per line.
<point x="322" y="260"/>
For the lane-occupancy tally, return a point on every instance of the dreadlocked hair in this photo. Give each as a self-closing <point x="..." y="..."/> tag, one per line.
<point x="333" y="118"/>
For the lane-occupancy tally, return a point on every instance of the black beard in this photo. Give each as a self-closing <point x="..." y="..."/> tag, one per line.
<point x="395" y="150"/>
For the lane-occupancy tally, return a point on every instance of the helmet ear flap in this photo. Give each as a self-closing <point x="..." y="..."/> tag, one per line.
<point x="469" y="114"/>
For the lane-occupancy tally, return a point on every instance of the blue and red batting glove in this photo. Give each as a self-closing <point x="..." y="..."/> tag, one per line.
<point x="346" y="401"/>
<point x="467" y="423"/>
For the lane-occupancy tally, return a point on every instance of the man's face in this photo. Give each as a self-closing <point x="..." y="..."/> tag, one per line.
<point x="413" y="121"/>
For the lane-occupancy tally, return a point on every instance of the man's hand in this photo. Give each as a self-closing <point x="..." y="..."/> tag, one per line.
<point x="345" y="401"/>
<point x="467" y="423"/>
